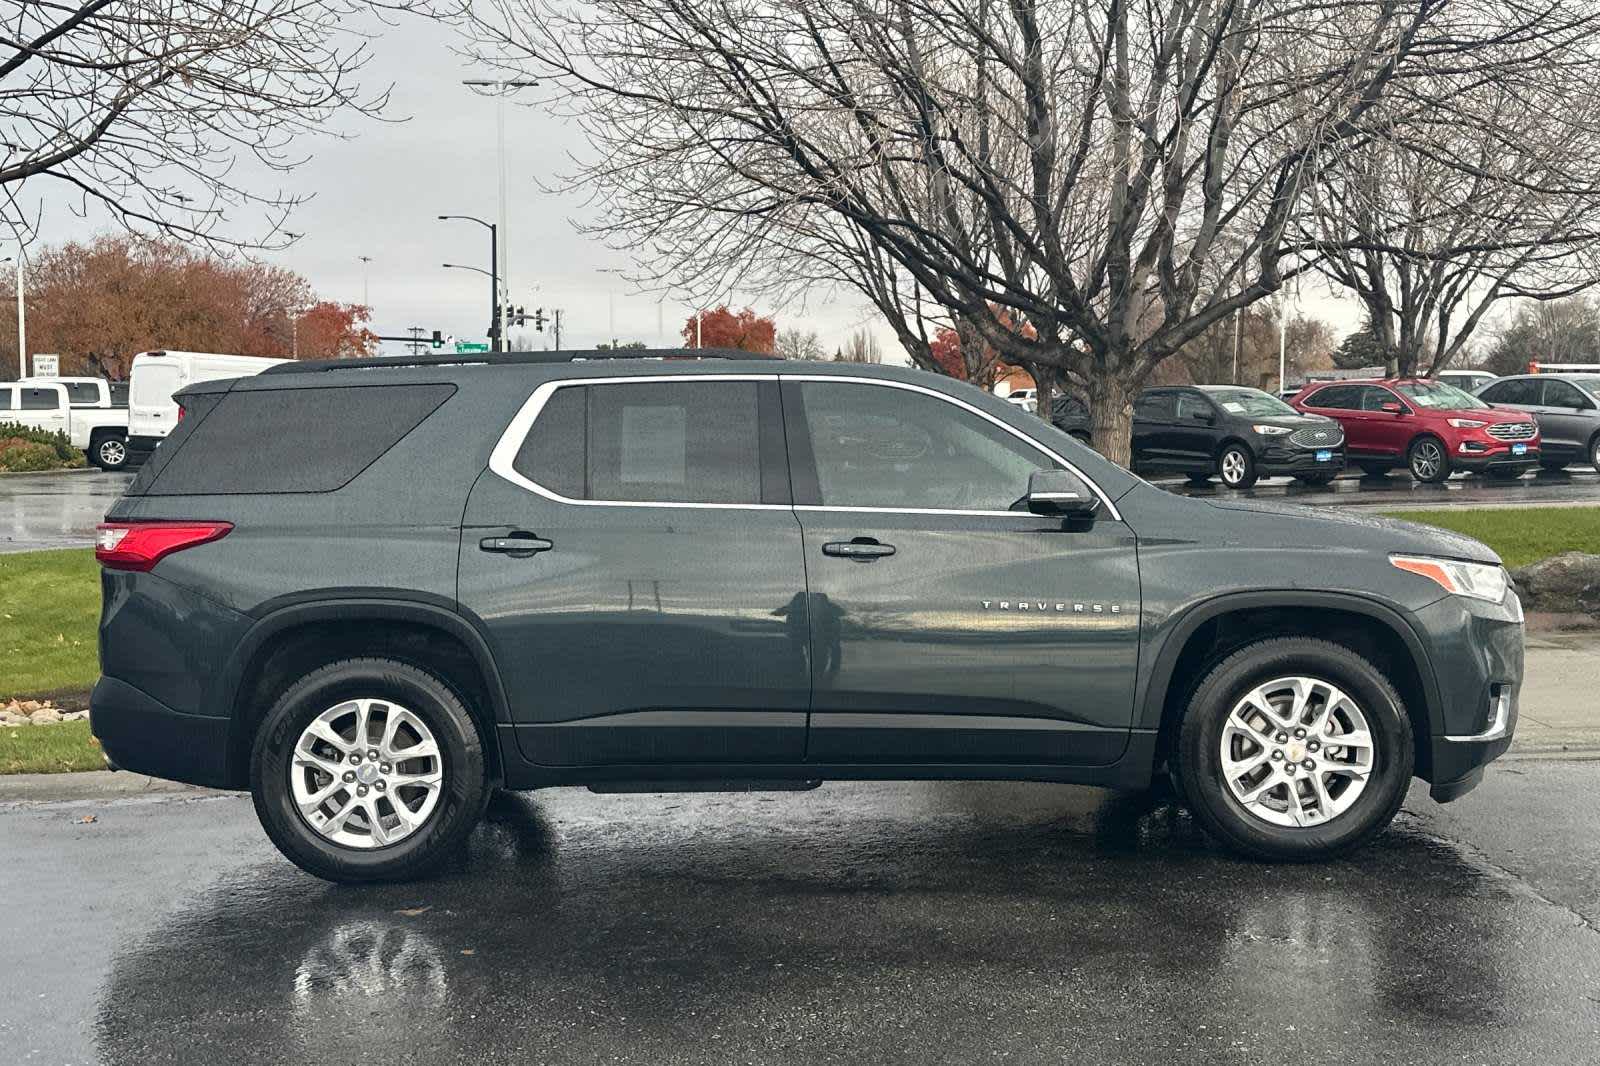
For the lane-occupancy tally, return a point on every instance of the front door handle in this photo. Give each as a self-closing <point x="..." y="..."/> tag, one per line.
<point x="517" y="544"/>
<point x="863" y="548"/>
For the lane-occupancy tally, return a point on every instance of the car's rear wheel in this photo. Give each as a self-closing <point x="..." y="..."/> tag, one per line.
<point x="1594" y="452"/>
<point x="111" y="453"/>
<point x="1236" y="467"/>
<point x="1294" y="749"/>
<point x="368" y="770"/>
<point x="1429" y="461"/>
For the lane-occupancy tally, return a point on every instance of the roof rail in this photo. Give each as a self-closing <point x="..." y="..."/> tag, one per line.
<point x="317" y="366"/>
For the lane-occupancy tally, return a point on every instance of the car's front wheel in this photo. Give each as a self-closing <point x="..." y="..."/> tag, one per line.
<point x="110" y="453"/>
<point x="1294" y="749"/>
<point x="1428" y="461"/>
<point x="1594" y="453"/>
<point x="368" y="770"/>
<point x="1237" y="467"/>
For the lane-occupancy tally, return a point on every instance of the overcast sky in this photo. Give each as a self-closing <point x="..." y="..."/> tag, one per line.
<point x="378" y="194"/>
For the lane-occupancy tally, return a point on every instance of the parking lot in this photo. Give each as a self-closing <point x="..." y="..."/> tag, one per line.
<point x="927" y="923"/>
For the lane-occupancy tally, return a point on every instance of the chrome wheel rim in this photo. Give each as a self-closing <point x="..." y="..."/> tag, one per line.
<point x="366" y="774"/>
<point x="1426" y="459"/>
<point x="1233" y="467"/>
<point x="112" y="452"/>
<point x="1297" y="752"/>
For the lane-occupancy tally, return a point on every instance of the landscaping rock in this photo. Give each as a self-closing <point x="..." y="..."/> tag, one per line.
<point x="45" y="716"/>
<point x="29" y="706"/>
<point x="1565" y="583"/>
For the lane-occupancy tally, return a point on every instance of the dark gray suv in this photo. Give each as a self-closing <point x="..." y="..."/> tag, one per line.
<point x="373" y="591"/>
<point x="1567" y="407"/>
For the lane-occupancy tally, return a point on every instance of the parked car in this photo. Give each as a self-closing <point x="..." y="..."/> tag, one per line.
<point x="90" y="391"/>
<point x="1567" y="408"/>
<point x="1027" y="399"/>
<point x="1465" y="380"/>
<point x="156" y="376"/>
<point x="1233" y="433"/>
<point x="1431" y="428"/>
<point x="44" y="403"/>
<point x="372" y="591"/>
<point x="1070" y="414"/>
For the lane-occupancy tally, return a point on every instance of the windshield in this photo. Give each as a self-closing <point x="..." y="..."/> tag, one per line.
<point x="1252" y="402"/>
<point x="1440" y="397"/>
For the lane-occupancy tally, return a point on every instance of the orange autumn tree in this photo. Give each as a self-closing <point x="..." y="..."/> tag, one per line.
<point x="331" y="330"/>
<point x="725" y="328"/>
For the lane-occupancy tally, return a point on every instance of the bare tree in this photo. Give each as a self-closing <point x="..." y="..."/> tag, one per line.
<point x="799" y="344"/>
<point x="1459" y="197"/>
<point x="147" y="108"/>
<point x="862" y="347"/>
<point x="1120" y="177"/>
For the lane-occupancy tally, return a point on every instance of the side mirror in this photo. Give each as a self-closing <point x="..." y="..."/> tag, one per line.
<point x="1060" y="494"/>
<point x="1393" y="408"/>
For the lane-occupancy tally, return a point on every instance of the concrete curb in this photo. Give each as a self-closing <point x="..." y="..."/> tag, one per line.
<point x="50" y="473"/>
<point x="91" y="785"/>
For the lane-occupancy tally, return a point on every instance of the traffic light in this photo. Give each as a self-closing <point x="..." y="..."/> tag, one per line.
<point x="518" y="316"/>
<point x="438" y="339"/>
<point x="538" y="319"/>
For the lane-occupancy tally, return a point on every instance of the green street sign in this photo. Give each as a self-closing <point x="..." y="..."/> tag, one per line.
<point x="463" y="347"/>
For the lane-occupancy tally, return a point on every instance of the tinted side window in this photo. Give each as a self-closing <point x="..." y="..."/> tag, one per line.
<point x="5" y="399"/>
<point x="39" y="399"/>
<point x="1373" y="398"/>
<point x="555" y="452"/>
<point x="674" y="442"/>
<point x="294" y="440"/>
<point x="1563" y="394"/>
<point x="1156" y="407"/>
<point x="1190" y="405"/>
<point x="1336" y="398"/>
<point x="119" y="394"/>
<point x="1517" y="390"/>
<point x="877" y="446"/>
<point x="82" y="392"/>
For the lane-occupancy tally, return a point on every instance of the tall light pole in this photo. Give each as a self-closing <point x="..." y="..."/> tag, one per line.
<point x="22" y="318"/>
<point x="500" y="88"/>
<point x="493" y="272"/>
<point x="366" y="282"/>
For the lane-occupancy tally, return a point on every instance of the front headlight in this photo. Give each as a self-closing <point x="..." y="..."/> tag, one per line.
<point x="1272" y="431"/>
<point x="1481" y="581"/>
<point x="1466" y="423"/>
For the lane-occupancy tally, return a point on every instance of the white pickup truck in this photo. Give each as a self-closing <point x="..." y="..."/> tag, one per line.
<point x="46" y="403"/>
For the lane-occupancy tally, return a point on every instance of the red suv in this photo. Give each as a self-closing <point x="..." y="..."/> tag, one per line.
<point x="1429" y="426"/>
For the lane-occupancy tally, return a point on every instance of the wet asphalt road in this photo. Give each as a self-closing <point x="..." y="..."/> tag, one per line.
<point x="926" y="923"/>
<point x="60" y="511"/>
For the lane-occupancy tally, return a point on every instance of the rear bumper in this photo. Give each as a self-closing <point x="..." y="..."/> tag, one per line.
<point x="140" y="733"/>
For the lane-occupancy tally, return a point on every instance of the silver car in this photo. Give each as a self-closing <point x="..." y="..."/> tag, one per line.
<point x="1567" y="407"/>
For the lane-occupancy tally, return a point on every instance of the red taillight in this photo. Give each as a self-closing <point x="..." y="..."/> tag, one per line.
<point x="141" y="545"/>
<point x="182" y="410"/>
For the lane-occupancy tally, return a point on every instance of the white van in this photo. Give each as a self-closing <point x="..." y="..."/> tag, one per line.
<point x="155" y="376"/>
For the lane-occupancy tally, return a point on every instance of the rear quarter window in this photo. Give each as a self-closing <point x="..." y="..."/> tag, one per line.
<point x="292" y="440"/>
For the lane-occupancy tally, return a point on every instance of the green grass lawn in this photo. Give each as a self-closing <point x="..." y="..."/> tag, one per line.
<point x="49" y="607"/>
<point x="1521" y="535"/>
<point x="49" y="749"/>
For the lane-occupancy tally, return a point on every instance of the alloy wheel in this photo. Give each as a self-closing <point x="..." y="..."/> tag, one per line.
<point x="113" y="452"/>
<point x="366" y="773"/>
<point x="1233" y="466"/>
<point x="1427" y="458"/>
<point x="1297" y="751"/>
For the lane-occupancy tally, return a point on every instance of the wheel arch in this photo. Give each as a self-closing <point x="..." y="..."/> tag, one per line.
<point x="299" y="637"/>
<point x="1213" y="629"/>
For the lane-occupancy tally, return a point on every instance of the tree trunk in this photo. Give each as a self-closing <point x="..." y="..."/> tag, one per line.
<point x="1111" y="417"/>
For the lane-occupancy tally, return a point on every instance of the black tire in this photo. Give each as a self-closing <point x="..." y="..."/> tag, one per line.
<point x="1428" y="460"/>
<point x="1197" y="758"/>
<point x="1374" y="470"/>
<point x="1594" y="453"/>
<point x="463" y="794"/>
<point x="109" y="451"/>
<point x="1236" y="467"/>
<point x="1553" y="465"/>
<point x="1198" y="479"/>
<point x="1501" y="473"/>
<point x="1316" y="479"/>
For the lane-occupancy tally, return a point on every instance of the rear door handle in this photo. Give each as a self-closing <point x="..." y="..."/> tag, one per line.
<point x="862" y="548"/>
<point x="521" y="544"/>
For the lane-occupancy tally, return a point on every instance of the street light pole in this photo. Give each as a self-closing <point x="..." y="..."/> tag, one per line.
<point x="22" y="323"/>
<point x="366" y="282"/>
<point x="494" y="276"/>
<point x="501" y="87"/>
